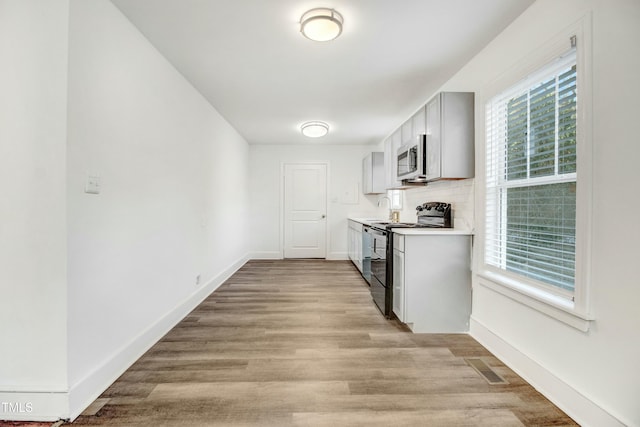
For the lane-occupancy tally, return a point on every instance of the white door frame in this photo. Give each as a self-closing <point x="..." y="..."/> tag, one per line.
<point x="327" y="204"/>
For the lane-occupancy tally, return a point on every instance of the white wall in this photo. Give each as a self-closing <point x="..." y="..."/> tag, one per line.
<point x="173" y="202"/>
<point x="345" y="175"/>
<point x="593" y="376"/>
<point x="33" y="58"/>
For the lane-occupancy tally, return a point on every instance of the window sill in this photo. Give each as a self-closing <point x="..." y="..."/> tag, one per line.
<point x="551" y="305"/>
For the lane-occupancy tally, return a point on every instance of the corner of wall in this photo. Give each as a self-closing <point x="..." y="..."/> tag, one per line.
<point x="33" y="252"/>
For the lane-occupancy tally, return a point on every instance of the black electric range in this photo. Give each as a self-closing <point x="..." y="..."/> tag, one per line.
<point x="429" y="215"/>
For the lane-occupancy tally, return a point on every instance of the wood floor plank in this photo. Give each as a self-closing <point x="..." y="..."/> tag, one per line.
<point x="300" y="343"/>
<point x="444" y="418"/>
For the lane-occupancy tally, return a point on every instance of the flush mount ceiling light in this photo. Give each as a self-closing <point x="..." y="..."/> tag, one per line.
<point x="314" y="129"/>
<point x="321" y="24"/>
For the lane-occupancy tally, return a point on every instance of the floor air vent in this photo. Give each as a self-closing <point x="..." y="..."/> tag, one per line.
<point x="485" y="371"/>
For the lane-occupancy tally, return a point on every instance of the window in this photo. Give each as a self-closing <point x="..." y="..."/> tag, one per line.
<point x="531" y="178"/>
<point x="395" y="199"/>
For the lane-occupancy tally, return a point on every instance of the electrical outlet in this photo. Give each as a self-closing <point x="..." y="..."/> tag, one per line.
<point x="93" y="184"/>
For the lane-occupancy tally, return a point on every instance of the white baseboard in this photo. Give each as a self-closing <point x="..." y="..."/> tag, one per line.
<point x="82" y="394"/>
<point x="338" y="256"/>
<point x="34" y="406"/>
<point x="584" y="411"/>
<point x="267" y="255"/>
<point x="331" y="256"/>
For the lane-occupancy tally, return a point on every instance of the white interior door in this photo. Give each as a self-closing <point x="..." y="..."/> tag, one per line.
<point x="305" y="211"/>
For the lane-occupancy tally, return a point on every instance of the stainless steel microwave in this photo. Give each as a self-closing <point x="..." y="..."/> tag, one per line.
<point x="411" y="160"/>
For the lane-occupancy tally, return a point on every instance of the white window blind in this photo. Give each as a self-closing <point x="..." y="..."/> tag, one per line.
<point x="531" y="178"/>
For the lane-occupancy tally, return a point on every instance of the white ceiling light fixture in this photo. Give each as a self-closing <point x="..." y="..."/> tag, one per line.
<point x="321" y="24"/>
<point x="314" y="129"/>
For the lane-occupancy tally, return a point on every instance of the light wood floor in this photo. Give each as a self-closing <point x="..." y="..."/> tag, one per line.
<point x="300" y="343"/>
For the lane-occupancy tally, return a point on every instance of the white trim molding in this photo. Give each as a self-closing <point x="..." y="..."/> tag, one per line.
<point x="84" y="392"/>
<point x="578" y="406"/>
<point x="34" y="405"/>
<point x="551" y="305"/>
<point x="577" y="312"/>
<point x="337" y="256"/>
<point x="267" y="255"/>
<point x="49" y="404"/>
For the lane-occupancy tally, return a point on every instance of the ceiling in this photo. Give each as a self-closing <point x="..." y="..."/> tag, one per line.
<point x="249" y="60"/>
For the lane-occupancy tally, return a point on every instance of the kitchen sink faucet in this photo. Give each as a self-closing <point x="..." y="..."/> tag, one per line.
<point x="389" y="203"/>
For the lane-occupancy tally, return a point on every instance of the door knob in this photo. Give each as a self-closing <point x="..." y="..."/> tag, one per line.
<point x="324" y="216"/>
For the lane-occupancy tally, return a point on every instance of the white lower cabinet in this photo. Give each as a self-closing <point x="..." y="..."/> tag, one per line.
<point x="355" y="243"/>
<point x="432" y="282"/>
<point x="398" y="284"/>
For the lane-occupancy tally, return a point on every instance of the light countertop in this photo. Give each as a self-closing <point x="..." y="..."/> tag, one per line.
<point x="433" y="231"/>
<point x="367" y="221"/>
<point x="418" y="231"/>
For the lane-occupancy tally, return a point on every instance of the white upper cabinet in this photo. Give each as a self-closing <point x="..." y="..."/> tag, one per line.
<point x="450" y="136"/>
<point x="407" y="131"/>
<point x="432" y="154"/>
<point x="419" y="122"/>
<point x="391" y="146"/>
<point x="405" y="134"/>
<point x="413" y="127"/>
<point x="448" y="122"/>
<point x="388" y="158"/>
<point x="373" y="173"/>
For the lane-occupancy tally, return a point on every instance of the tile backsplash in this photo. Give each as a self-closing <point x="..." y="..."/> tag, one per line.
<point x="459" y="193"/>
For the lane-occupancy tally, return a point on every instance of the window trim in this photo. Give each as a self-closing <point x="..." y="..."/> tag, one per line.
<point x="545" y="302"/>
<point x="575" y="312"/>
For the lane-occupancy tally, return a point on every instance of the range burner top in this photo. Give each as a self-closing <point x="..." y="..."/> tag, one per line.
<point x="390" y="225"/>
<point x="429" y="215"/>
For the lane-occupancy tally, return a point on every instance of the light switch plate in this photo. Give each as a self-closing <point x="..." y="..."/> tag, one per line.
<point x="93" y="184"/>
